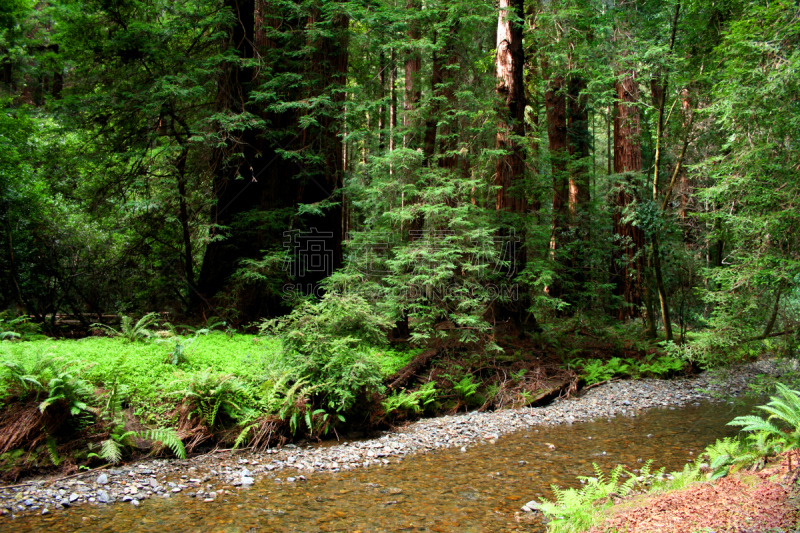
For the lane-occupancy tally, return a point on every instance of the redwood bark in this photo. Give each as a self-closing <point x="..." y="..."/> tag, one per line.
<point x="510" y="175"/>
<point x="448" y="134"/>
<point x="413" y="92"/>
<point x="429" y="138"/>
<point x="579" y="145"/>
<point x="383" y="66"/>
<point x="510" y="87"/>
<point x="628" y="261"/>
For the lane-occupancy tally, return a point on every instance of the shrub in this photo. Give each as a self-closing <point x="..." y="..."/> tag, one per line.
<point x="328" y="345"/>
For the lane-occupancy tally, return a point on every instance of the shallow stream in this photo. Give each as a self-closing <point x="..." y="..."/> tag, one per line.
<point x="480" y="489"/>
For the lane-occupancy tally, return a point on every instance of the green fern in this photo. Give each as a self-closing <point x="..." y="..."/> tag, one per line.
<point x="579" y="509"/>
<point x="52" y="450"/>
<point x="167" y="437"/>
<point x="465" y="387"/>
<point x="112" y="449"/>
<point x="130" y="331"/>
<point x="784" y="409"/>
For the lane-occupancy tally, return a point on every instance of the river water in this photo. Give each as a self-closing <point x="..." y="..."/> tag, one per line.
<point x="480" y="489"/>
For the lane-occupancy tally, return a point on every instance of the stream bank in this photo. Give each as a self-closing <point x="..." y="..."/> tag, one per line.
<point x="217" y="475"/>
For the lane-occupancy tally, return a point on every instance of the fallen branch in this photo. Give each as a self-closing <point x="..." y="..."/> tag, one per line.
<point x="408" y="371"/>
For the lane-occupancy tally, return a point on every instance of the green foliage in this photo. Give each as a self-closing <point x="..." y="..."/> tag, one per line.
<point x="19" y="328"/>
<point x="663" y="366"/>
<point x="596" y="370"/>
<point x="781" y="429"/>
<point x="132" y="331"/>
<point x="140" y="368"/>
<point x="211" y="394"/>
<point x="48" y="378"/>
<point x="393" y="360"/>
<point x="465" y="387"/>
<point x="181" y="347"/>
<point x="327" y="344"/>
<point x="113" y="448"/>
<point x="579" y="509"/>
<point x="52" y="450"/>
<point x="403" y="402"/>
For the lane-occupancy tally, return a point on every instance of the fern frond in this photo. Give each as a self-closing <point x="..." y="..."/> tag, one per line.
<point x="53" y="451"/>
<point x="168" y="437"/>
<point x="111" y="451"/>
<point x="244" y="435"/>
<point x="755" y="423"/>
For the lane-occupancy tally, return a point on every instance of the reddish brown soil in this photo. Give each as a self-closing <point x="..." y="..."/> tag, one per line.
<point x="745" y="502"/>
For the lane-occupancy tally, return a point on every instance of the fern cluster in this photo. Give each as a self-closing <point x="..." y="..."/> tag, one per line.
<point x="17" y="328"/>
<point x="410" y="402"/>
<point x="596" y="370"/>
<point x="212" y="394"/>
<point x="113" y="448"/>
<point x="130" y="330"/>
<point x="49" y="379"/>
<point x="578" y="509"/>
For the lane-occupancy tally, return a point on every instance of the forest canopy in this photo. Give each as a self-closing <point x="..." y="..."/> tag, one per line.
<point x="454" y="164"/>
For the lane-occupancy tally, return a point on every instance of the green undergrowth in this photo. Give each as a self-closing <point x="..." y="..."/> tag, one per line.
<point x="595" y="370"/>
<point x="143" y="367"/>
<point x="146" y="384"/>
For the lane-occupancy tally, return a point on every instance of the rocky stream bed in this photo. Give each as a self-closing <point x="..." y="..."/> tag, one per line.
<point x="224" y="474"/>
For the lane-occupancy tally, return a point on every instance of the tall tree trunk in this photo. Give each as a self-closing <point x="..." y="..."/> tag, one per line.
<point x="556" y="111"/>
<point x="511" y="88"/>
<point x="510" y="175"/>
<point x="579" y="147"/>
<point x="183" y="217"/>
<point x="383" y="67"/>
<point x="429" y="139"/>
<point x="272" y="183"/>
<point x="659" y="91"/>
<point x="628" y="264"/>
<point x="413" y="92"/>
<point x="448" y="134"/>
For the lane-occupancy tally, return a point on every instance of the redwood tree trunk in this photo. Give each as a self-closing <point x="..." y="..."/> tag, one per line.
<point x="510" y="176"/>
<point x="429" y="139"/>
<point x="259" y="208"/>
<point x="510" y="87"/>
<point x="579" y="146"/>
<point x="556" y="109"/>
<point x="413" y="92"/>
<point x="628" y="261"/>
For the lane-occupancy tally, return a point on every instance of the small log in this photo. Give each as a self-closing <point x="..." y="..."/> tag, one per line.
<point x="403" y="375"/>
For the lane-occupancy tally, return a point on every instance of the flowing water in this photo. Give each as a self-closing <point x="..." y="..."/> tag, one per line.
<point x="481" y="489"/>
